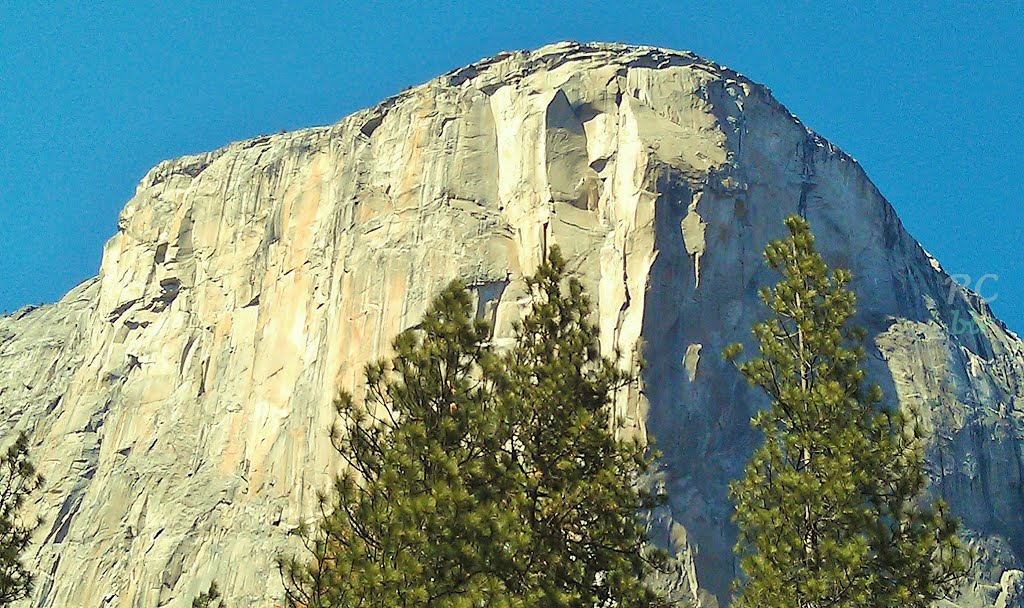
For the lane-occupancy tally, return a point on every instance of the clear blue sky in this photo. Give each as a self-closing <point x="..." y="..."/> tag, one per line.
<point x="927" y="99"/>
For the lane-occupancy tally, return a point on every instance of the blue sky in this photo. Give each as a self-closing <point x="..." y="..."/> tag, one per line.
<point x="93" y="94"/>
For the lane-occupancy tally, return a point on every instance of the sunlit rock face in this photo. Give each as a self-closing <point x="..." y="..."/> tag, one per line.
<point x="179" y="401"/>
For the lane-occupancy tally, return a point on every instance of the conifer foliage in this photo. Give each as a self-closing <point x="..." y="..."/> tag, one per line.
<point x="479" y="478"/>
<point x="18" y="480"/>
<point x="575" y="482"/>
<point x="831" y="510"/>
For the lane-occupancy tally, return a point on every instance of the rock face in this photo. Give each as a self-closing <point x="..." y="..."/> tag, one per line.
<point x="179" y="401"/>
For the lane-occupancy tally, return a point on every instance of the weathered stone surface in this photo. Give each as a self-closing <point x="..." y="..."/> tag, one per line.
<point x="179" y="401"/>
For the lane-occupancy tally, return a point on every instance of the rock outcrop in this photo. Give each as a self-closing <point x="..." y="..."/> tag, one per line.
<point x="178" y="402"/>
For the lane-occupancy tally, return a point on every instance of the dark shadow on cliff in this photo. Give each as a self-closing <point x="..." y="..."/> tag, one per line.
<point x="703" y="296"/>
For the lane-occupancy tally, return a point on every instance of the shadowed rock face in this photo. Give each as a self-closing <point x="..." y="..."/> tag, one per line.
<point x="179" y="401"/>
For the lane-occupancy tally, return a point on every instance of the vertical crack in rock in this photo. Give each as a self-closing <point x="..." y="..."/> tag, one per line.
<point x="807" y="150"/>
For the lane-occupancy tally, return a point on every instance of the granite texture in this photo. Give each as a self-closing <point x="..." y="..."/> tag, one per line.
<point x="179" y="401"/>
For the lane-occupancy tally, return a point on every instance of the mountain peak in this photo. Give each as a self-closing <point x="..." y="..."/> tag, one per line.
<point x="179" y="402"/>
<point x="506" y="67"/>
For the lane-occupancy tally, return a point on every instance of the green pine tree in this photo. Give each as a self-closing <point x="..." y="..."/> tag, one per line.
<point x="831" y="510"/>
<point x="416" y="519"/>
<point x="578" y="486"/>
<point x="483" y="479"/>
<point x="18" y="480"/>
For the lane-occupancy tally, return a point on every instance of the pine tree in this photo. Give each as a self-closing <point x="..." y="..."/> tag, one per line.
<point x="831" y="510"/>
<point x="483" y="479"/>
<point x="415" y="519"/>
<point x="578" y="485"/>
<point x="18" y="480"/>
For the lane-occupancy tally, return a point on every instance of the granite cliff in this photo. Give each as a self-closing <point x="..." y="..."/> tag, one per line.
<point x="178" y="402"/>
